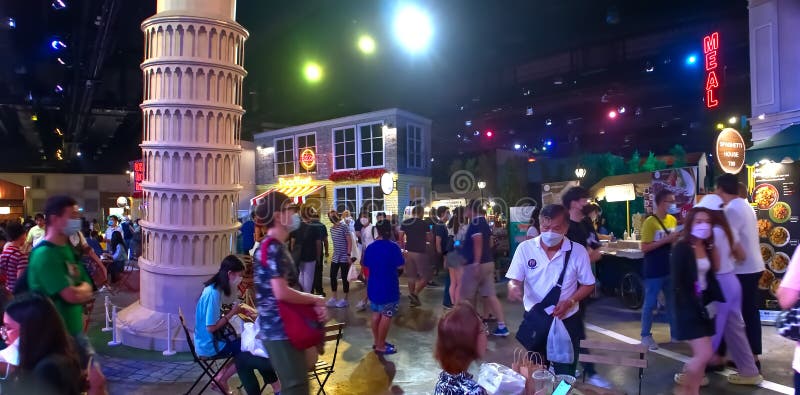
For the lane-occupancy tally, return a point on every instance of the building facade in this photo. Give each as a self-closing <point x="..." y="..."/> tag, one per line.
<point x="336" y="164"/>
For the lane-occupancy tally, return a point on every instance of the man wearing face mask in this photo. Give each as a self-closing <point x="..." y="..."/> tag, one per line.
<point x="658" y="235"/>
<point x="551" y="275"/>
<point x="113" y="226"/>
<point x="54" y="271"/>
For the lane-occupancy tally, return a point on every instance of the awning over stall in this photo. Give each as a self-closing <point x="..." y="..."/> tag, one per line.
<point x="639" y="180"/>
<point x="785" y="143"/>
<point x="299" y="191"/>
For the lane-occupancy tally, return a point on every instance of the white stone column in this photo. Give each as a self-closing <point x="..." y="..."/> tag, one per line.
<point x="774" y="65"/>
<point x="192" y="111"/>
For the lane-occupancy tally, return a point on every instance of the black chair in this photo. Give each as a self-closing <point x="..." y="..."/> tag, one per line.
<point x="322" y="370"/>
<point x="207" y="364"/>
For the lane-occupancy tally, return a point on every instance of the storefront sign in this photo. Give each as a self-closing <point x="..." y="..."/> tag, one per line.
<point x="620" y="193"/>
<point x="711" y="51"/>
<point x="308" y="159"/>
<point x="138" y="177"/>
<point x="730" y="150"/>
<point x="294" y="181"/>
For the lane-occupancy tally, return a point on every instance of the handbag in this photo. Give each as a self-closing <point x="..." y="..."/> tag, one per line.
<point x="300" y="321"/>
<point x="525" y="363"/>
<point x="226" y="334"/>
<point x="353" y="272"/>
<point x="536" y="322"/>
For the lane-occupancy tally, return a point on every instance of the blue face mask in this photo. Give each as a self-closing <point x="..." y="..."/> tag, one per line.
<point x="73" y="226"/>
<point x="295" y="224"/>
<point x="673" y="209"/>
<point x="110" y="223"/>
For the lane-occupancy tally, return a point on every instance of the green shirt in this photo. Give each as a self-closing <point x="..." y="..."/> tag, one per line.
<point x="51" y="268"/>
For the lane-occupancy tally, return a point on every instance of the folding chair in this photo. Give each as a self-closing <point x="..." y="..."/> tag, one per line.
<point x="206" y="363"/>
<point x="322" y="370"/>
<point x="619" y="358"/>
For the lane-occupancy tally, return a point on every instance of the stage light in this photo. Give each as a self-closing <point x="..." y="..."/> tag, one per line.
<point x="59" y="89"/>
<point x="548" y="143"/>
<point x="412" y="27"/>
<point x="312" y="72"/>
<point x="468" y="123"/>
<point x="548" y="122"/>
<point x="529" y="111"/>
<point x="621" y="110"/>
<point x="489" y="133"/>
<point x="79" y="154"/>
<point x="691" y="59"/>
<point x="34" y="117"/>
<point x="732" y="120"/>
<point x="612" y="114"/>
<point x="476" y="133"/>
<point x="720" y="126"/>
<point x="59" y="132"/>
<point x="517" y="146"/>
<point x="58" y="4"/>
<point x="11" y="23"/>
<point x="57" y="45"/>
<point x="61" y="61"/>
<point x="366" y="44"/>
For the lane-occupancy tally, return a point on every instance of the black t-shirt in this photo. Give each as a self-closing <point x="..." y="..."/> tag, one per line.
<point x="583" y="233"/>
<point x="305" y="239"/>
<point x="440" y="229"/>
<point x="416" y="233"/>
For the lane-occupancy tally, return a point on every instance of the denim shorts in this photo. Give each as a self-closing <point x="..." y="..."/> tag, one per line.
<point x="386" y="309"/>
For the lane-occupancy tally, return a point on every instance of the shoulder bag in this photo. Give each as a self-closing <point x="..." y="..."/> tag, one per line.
<point x="300" y="321"/>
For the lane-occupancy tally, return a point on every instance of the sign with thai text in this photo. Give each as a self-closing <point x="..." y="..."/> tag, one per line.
<point x="138" y="177"/>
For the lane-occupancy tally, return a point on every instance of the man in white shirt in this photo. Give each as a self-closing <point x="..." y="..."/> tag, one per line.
<point x="743" y="223"/>
<point x="113" y="226"/>
<point x="534" y="273"/>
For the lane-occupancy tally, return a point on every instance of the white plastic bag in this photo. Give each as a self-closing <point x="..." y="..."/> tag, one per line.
<point x="498" y="379"/>
<point x="352" y="274"/>
<point x="559" y="343"/>
<point x="250" y="341"/>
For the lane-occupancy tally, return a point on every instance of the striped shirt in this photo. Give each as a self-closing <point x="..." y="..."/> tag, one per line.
<point x="12" y="260"/>
<point x="339" y="235"/>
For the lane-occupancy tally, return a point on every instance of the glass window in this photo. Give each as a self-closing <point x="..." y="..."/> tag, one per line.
<point x="416" y="195"/>
<point x="414" y="147"/>
<point x="345" y="199"/>
<point x="371" y="199"/>
<point x="371" y="145"/>
<point x="344" y="148"/>
<point x="306" y="141"/>
<point x="284" y="156"/>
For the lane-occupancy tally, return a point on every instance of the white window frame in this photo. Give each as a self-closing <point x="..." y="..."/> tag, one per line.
<point x="359" y="140"/>
<point x="300" y="169"/>
<point x="409" y="144"/>
<point x="374" y="189"/>
<point x="292" y="151"/>
<point x="336" y="198"/>
<point x="355" y="149"/>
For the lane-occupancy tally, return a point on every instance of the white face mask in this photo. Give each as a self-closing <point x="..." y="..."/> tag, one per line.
<point x="701" y="231"/>
<point x="551" y="239"/>
<point x="364" y="221"/>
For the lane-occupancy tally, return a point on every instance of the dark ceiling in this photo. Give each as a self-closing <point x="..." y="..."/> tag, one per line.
<point x="476" y="61"/>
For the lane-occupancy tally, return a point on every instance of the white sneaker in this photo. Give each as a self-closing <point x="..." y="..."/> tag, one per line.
<point x="342" y="304"/>
<point x="361" y="306"/>
<point x="650" y="343"/>
<point x="331" y="302"/>
<point x="598" y="381"/>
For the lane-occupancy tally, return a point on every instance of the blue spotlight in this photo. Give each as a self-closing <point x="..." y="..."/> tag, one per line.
<point x="57" y="45"/>
<point x="548" y="143"/>
<point x="691" y="59"/>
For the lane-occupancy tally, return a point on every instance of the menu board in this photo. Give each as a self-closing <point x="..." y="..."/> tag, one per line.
<point x="776" y="199"/>
<point x="552" y="191"/>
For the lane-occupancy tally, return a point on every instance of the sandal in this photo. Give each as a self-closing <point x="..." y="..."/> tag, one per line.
<point x="387" y="345"/>
<point x="390" y="349"/>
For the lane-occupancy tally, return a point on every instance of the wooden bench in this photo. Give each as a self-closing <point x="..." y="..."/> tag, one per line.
<point x="622" y="354"/>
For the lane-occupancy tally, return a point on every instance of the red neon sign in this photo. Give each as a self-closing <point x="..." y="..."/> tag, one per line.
<point x="711" y="50"/>
<point x="138" y="177"/>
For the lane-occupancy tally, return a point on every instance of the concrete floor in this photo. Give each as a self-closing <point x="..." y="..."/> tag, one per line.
<point x="414" y="371"/>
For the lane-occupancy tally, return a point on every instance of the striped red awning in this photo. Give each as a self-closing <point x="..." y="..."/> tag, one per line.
<point x="299" y="191"/>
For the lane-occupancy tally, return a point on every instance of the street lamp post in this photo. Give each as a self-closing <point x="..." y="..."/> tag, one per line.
<point x="481" y="185"/>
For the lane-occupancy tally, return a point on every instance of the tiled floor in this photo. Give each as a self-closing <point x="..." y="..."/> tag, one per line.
<point x="414" y="371"/>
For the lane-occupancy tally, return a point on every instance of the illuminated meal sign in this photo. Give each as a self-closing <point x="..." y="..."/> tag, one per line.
<point x="138" y="177"/>
<point x="308" y="159"/>
<point x="711" y="51"/>
<point x="294" y="181"/>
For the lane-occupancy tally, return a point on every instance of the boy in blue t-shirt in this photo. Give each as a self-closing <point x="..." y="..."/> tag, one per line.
<point x="383" y="257"/>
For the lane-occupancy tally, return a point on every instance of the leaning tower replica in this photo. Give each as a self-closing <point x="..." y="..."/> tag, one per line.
<point x="192" y="114"/>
